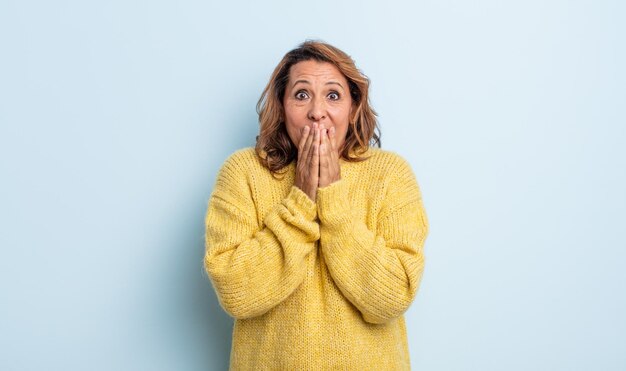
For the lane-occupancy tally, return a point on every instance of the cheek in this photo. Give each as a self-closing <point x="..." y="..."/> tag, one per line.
<point x="292" y="132"/>
<point x="295" y="120"/>
<point x="341" y="113"/>
<point x="342" y="135"/>
<point x="293" y="129"/>
<point x="341" y="121"/>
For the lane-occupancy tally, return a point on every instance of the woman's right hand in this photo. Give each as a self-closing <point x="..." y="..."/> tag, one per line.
<point x="307" y="166"/>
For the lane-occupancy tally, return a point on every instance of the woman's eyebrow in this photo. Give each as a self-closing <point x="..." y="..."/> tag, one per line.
<point x="309" y="83"/>
<point x="301" y="81"/>
<point x="335" y="83"/>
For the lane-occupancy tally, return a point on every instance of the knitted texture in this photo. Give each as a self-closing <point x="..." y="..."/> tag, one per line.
<point x="316" y="285"/>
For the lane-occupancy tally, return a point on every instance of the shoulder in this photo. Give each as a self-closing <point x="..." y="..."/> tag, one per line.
<point x="389" y="162"/>
<point x="236" y="170"/>
<point x="241" y="161"/>
<point x="232" y="180"/>
<point x="396" y="173"/>
<point x="242" y="156"/>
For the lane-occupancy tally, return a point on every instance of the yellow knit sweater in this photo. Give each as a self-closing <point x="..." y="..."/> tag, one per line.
<point x="317" y="285"/>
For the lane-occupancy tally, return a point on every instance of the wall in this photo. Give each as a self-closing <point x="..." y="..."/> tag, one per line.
<point x="115" y="117"/>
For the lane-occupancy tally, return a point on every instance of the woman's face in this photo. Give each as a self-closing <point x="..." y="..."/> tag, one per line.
<point x="317" y="92"/>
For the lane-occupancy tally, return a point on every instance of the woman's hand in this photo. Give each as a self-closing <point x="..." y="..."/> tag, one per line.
<point x="308" y="163"/>
<point x="330" y="171"/>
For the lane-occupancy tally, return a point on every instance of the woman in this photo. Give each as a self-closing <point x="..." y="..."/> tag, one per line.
<point x="314" y="238"/>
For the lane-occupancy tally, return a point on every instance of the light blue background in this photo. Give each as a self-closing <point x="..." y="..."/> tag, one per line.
<point x="116" y="115"/>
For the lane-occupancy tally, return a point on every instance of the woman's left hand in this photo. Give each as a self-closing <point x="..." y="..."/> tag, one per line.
<point x="330" y="171"/>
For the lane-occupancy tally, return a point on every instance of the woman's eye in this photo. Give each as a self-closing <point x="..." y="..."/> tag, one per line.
<point x="301" y="95"/>
<point x="333" y="96"/>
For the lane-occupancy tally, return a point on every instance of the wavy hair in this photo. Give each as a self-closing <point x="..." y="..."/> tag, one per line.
<point x="273" y="145"/>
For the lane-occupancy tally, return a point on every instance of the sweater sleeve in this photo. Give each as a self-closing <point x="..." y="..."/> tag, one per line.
<point x="255" y="267"/>
<point x="379" y="273"/>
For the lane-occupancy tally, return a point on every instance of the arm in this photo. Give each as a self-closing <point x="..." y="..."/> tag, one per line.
<point x="253" y="268"/>
<point x="380" y="272"/>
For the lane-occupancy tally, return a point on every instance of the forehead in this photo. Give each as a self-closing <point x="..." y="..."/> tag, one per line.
<point x="315" y="70"/>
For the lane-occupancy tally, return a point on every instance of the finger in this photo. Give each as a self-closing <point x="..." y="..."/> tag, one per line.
<point x="315" y="143"/>
<point x="322" y="130"/>
<point x="307" y="144"/>
<point x="303" y="138"/>
<point x="315" y="160"/>
<point x="324" y="160"/>
<point x="324" y="143"/>
<point x="328" y="147"/>
<point x="333" y="155"/>
<point x="332" y="134"/>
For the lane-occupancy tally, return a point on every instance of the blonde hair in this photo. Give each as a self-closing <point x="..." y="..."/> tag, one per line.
<point x="273" y="145"/>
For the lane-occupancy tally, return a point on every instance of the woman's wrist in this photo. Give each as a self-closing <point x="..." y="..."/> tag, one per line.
<point x="333" y="204"/>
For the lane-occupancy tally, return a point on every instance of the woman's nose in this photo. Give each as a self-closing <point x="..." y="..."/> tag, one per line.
<point x="317" y="111"/>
